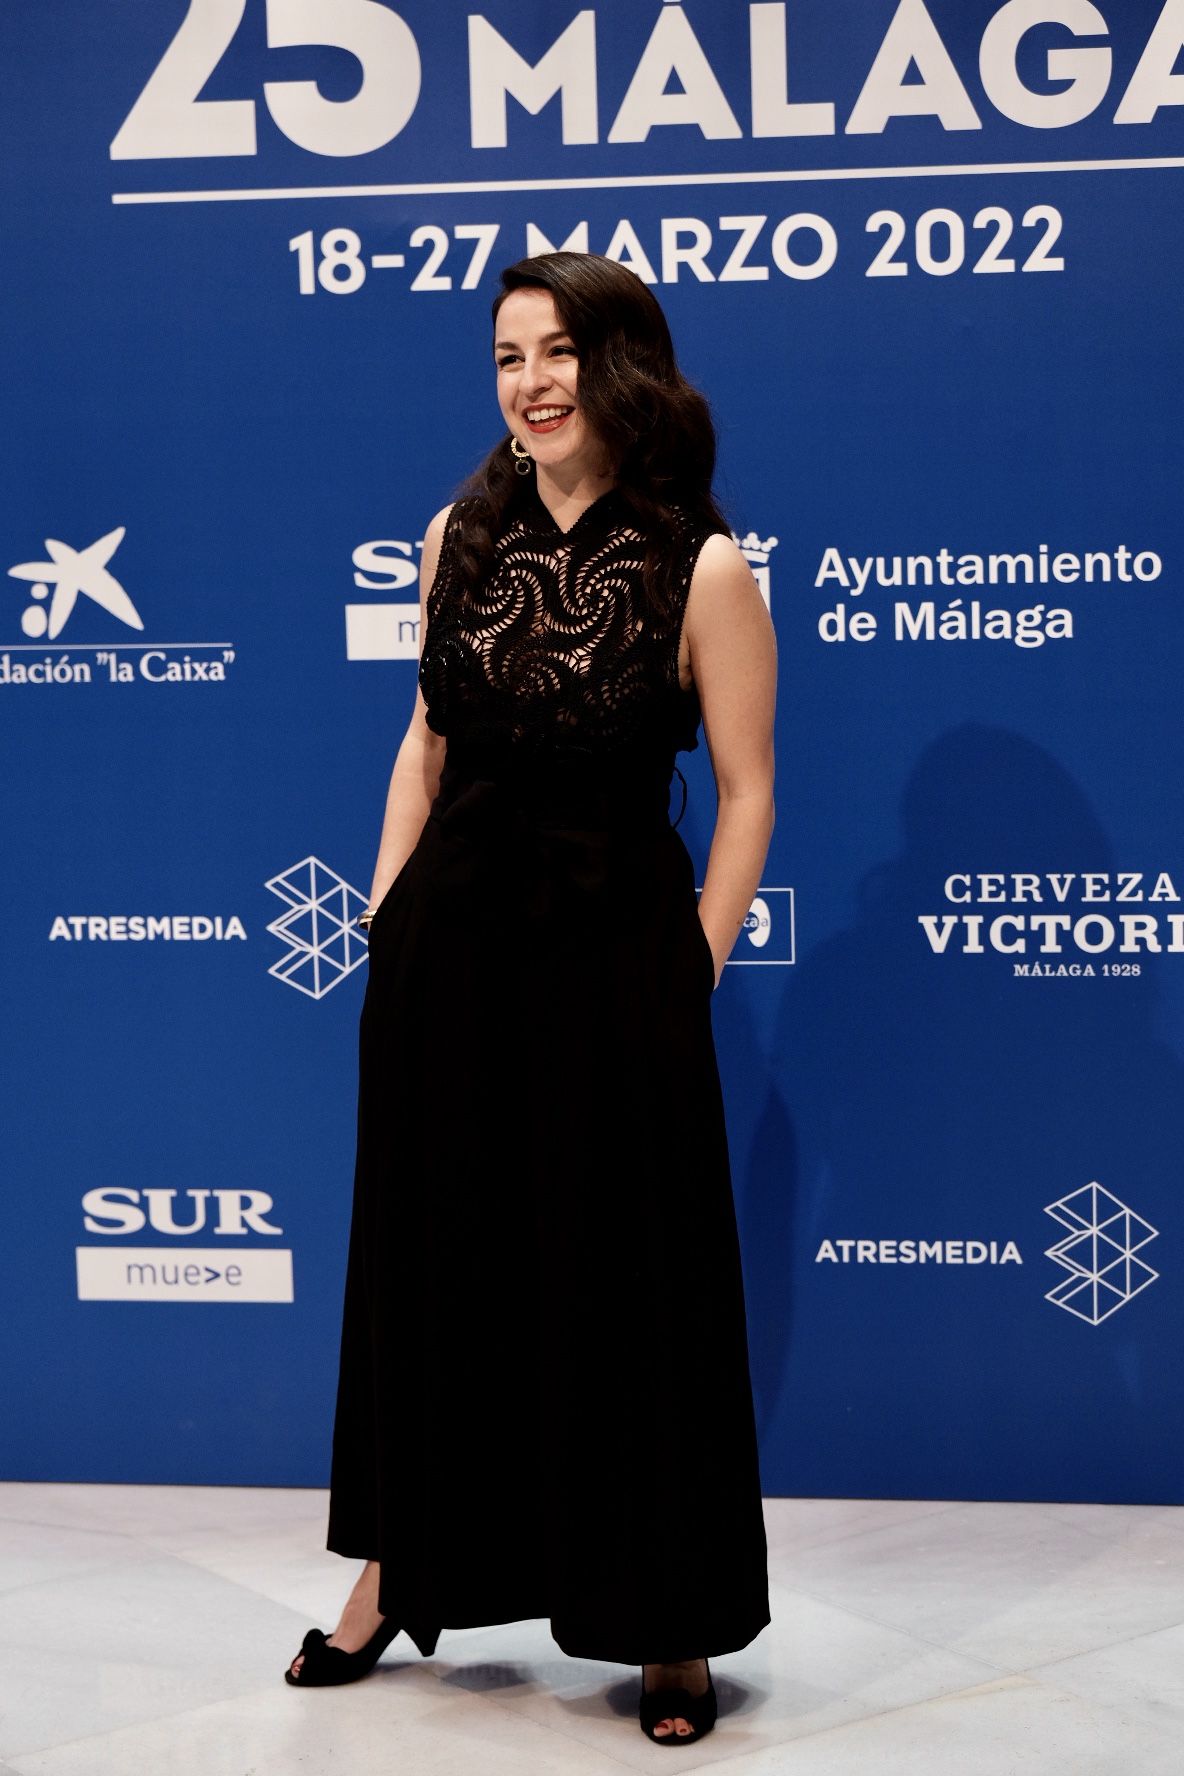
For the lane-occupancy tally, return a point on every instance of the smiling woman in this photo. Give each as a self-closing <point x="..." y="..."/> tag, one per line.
<point x="542" y="1188"/>
<point x="568" y="322"/>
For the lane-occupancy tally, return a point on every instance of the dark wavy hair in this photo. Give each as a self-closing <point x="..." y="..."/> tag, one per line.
<point x="656" y="427"/>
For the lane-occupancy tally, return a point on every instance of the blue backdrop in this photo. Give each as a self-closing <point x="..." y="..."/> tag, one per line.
<point x="925" y="260"/>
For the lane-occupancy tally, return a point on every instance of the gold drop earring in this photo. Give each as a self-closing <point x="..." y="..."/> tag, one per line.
<point x="523" y="461"/>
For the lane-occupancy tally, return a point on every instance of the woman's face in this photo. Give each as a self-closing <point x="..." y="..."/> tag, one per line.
<point x="537" y="372"/>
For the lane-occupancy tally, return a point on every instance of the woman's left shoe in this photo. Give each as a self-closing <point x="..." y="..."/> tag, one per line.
<point x="325" y="1664"/>
<point x="699" y="1712"/>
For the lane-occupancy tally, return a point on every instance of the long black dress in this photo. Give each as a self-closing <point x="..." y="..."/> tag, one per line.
<point x="544" y="1404"/>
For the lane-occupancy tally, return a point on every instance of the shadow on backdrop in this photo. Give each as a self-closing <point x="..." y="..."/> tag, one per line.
<point x="940" y="1096"/>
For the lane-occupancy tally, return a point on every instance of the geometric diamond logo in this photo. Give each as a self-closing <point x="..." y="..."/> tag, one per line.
<point x="320" y="928"/>
<point x="1099" y="1253"/>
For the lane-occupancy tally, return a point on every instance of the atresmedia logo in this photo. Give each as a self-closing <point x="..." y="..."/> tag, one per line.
<point x="1099" y="1253"/>
<point x="324" y="940"/>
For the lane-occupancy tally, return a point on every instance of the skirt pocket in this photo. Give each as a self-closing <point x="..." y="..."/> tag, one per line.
<point x="697" y="936"/>
<point x="381" y="910"/>
<point x="707" y="953"/>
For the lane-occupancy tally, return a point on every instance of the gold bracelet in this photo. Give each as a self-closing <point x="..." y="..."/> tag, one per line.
<point x="365" y="918"/>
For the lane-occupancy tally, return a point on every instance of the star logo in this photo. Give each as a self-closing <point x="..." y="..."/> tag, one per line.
<point x="70" y="572"/>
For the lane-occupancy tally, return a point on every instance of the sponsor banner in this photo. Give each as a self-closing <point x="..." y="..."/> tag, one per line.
<point x="199" y="1273"/>
<point x="924" y="259"/>
<point x="55" y="588"/>
<point x="1099" y="1253"/>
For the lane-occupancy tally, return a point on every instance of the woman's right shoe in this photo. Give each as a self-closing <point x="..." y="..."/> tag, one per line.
<point x="699" y="1712"/>
<point x="325" y="1664"/>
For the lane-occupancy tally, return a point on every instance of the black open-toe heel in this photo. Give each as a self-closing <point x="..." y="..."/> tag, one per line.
<point x="325" y="1664"/>
<point x="699" y="1712"/>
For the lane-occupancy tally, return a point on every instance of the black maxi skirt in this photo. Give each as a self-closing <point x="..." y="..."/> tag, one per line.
<point x="544" y="1403"/>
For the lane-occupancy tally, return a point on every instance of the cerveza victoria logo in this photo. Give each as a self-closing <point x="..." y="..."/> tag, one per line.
<point x="1058" y="924"/>
<point x="74" y="581"/>
<point x="324" y="942"/>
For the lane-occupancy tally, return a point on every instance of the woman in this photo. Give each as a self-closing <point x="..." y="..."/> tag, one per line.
<point x="544" y="1404"/>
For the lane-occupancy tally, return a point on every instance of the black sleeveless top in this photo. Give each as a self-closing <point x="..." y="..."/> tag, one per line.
<point x="560" y="654"/>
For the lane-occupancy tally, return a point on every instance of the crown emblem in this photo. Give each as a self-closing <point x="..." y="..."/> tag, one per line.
<point x="754" y="548"/>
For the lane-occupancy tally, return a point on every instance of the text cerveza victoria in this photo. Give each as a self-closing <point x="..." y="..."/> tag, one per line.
<point x="1059" y="924"/>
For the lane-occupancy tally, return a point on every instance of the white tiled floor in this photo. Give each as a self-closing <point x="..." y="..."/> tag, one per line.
<point x="147" y="1628"/>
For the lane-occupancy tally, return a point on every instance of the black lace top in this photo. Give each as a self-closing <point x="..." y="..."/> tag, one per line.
<point x="560" y="649"/>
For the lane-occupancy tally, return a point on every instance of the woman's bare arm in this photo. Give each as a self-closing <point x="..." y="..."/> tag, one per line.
<point x="420" y="758"/>
<point x="733" y="652"/>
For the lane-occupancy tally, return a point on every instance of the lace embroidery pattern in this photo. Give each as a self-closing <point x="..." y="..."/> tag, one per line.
<point x="560" y="647"/>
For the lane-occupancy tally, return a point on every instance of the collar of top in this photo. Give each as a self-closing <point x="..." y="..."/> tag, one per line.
<point x="595" y="518"/>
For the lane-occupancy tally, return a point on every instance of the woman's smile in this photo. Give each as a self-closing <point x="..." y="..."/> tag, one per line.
<point x="546" y="419"/>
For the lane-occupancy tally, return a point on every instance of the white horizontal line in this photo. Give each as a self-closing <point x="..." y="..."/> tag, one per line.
<point x="628" y="181"/>
<point x="102" y="647"/>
